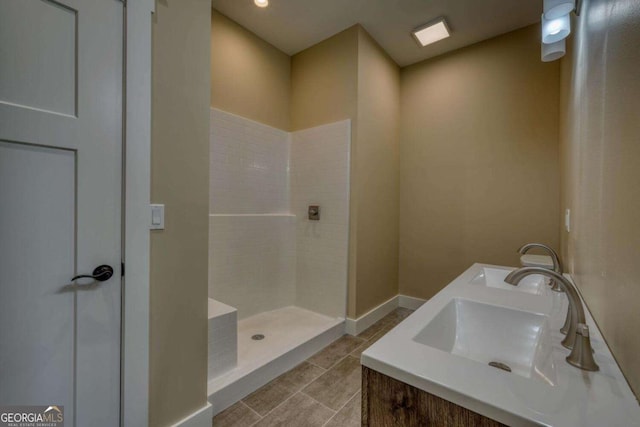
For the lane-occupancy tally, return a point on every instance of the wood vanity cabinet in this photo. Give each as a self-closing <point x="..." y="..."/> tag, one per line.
<point x="387" y="402"/>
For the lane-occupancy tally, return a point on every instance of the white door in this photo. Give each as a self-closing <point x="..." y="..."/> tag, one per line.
<point x="60" y="206"/>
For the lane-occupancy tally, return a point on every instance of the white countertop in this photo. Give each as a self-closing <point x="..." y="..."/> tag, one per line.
<point x="575" y="397"/>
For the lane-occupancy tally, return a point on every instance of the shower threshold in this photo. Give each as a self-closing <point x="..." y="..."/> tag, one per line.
<point x="291" y="335"/>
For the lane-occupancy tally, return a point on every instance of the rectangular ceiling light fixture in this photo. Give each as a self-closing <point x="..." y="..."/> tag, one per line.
<point x="431" y="32"/>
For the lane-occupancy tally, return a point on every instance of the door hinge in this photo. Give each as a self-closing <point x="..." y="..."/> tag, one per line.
<point x="122" y="269"/>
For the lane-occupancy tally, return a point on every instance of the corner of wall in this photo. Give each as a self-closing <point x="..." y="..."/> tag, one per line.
<point x="249" y="76"/>
<point x="377" y="164"/>
<point x="179" y="179"/>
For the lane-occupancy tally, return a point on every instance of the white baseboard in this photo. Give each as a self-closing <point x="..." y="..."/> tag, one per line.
<point x="356" y="326"/>
<point x="411" y="303"/>
<point x="201" y="418"/>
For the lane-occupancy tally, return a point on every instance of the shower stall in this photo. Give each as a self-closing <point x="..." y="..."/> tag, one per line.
<point x="278" y="248"/>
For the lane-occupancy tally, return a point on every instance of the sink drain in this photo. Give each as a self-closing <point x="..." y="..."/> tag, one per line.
<point x="500" y="365"/>
<point x="258" y="337"/>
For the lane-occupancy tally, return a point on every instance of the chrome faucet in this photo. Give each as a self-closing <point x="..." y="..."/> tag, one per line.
<point x="557" y="265"/>
<point x="577" y="338"/>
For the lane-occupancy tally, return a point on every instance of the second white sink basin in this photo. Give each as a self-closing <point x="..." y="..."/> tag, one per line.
<point x="487" y="333"/>
<point x="494" y="278"/>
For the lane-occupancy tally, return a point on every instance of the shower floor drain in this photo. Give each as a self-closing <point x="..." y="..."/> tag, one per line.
<point x="257" y="337"/>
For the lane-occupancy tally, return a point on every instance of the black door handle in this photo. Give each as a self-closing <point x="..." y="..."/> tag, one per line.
<point x="101" y="274"/>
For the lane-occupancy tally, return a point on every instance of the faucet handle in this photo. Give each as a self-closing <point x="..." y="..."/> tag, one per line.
<point x="582" y="354"/>
<point x="583" y="330"/>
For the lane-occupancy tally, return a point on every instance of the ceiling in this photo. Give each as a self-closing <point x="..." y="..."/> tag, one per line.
<point x="294" y="25"/>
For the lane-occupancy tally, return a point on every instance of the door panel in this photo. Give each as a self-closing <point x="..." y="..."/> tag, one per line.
<point x="46" y="77"/>
<point x="36" y="313"/>
<point x="60" y="201"/>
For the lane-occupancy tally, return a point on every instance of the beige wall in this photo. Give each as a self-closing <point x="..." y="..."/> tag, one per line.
<point x="179" y="179"/>
<point x="324" y="81"/>
<point x="600" y="146"/>
<point x="375" y="186"/>
<point x="479" y="159"/>
<point x="249" y="77"/>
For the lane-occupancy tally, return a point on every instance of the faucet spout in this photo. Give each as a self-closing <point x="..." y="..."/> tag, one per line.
<point x="577" y="338"/>
<point x="557" y="265"/>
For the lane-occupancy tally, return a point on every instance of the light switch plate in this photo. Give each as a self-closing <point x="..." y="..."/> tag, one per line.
<point x="157" y="217"/>
<point x="567" y="220"/>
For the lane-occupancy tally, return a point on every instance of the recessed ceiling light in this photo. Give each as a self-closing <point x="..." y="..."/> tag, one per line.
<point x="261" y="3"/>
<point x="431" y="32"/>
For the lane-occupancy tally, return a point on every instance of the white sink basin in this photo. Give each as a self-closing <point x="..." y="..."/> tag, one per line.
<point x="494" y="278"/>
<point x="487" y="333"/>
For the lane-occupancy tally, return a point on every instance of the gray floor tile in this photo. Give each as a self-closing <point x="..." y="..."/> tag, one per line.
<point x="350" y="415"/>
<point x="358" y="351"/>
<point x="299" y="411"/>
<point x="372" y="330"/>
<point x="386" y="323"/>
<point x="381" y="327"/>
<point x="237" y="415"/>
<point x="277" y="391"/>
<point x="336" y="386"/>
<point x="396" y="316"/>
<point x="331" y="354"/>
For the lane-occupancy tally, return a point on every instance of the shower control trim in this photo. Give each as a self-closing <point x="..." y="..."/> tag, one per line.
<point x="314" y="213"/>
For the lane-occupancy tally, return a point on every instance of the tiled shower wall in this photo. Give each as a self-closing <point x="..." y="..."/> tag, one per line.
<point x="264" y="252"/>
<point x="320" y="176"/>
<point x="249" y="166"/>
<point x="252" y="261"/>
<point x="251" y="233"/>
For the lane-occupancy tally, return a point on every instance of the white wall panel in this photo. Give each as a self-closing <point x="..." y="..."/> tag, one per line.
<point x="320" y="176"/>
<point x="252" y="261"/>
<point x="249" y="166"/>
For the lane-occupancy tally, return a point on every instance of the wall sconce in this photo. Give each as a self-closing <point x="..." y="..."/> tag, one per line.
<point x="557" y="8"/>
<point x="556" y="27"/>
<point x="554" y="30"/>
<point x="553" y="51"/>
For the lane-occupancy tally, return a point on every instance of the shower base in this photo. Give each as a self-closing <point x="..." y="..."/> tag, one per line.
<point x="291" y="335"/>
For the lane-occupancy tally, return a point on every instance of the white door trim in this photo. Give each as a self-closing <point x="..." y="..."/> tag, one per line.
<point x="134" y="398"/>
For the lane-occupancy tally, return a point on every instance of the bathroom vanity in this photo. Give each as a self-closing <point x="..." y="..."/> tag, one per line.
<point x="389" y="402"/>
<point x="483" y="352"/>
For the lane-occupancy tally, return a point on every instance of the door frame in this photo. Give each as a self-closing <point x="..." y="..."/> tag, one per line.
<point x="134" y="371"/>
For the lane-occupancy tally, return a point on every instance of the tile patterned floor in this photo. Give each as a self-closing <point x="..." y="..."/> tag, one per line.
<point x="322" y="391"/>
